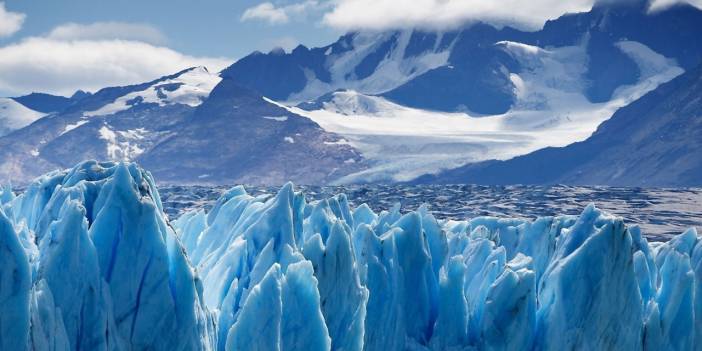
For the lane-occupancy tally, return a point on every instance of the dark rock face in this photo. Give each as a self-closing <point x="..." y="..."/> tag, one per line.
<point x="652" y="142"/>
<point x="45" y="103"/>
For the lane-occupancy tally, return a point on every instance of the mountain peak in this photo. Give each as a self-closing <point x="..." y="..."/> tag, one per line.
<point x="79" y="94"/>
<point x="277" y="51"/>
<point x="187" y="87"/>
<point x="197" y="69"/>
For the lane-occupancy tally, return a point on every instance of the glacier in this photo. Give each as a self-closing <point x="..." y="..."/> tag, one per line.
<point x="551" y="109"/>
<point x="89" y="261"/>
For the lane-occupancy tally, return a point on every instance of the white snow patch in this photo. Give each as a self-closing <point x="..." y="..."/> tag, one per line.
<point x="14" y="115"/>
<point x="516" y="47"/>
<point x="133" y="134"/>
<point x="121" y="145"/>
<point x="353" y="103"/>
<point x="289" y="140"/>
<point x="655" y="68"/>
<point x="191" y="88"/>
<point x="650" y="62"/>
<point x="73" y="126"/>
<point x="278" y="119"/>
<point x="270" y="101"/>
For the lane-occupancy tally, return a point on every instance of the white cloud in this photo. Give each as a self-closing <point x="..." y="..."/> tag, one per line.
<point x="663" y="4"/>
<point x="266" y="12"/>
<point x="10" y="22"/>
<point x="108" y="30"/>
<point x="272" y="14"/>
<point x="385" y="14"/>
<point x="286" y="43"/>
<point x="62" y="67"/>
<point x="442" y="14"/>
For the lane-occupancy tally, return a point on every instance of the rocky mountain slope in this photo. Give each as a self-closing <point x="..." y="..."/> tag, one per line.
<point x="234" y="136"/>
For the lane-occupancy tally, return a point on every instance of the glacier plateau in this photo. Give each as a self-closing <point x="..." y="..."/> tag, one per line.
<point x="88" y="260"/>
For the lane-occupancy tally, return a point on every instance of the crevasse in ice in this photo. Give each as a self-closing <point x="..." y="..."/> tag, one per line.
<point x="89" y="261"/>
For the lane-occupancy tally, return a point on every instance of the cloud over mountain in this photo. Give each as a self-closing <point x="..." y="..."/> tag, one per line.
<point x="92" y="56"/>
<point x="108" y="31"/>
<point x="442" y="14"/>
<point x="268" y="12"/>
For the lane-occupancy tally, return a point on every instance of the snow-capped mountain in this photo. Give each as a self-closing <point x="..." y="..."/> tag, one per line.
<point x="14" y="115"/>
<point x="651" y="142"/>
<point x="551" y="109"/>
<point x="190" y="87"/>
<point x="227" y="133"/>
<point x="239" y="136"/>
<point x="477" y="93"/>
<point x="468" y="69"/>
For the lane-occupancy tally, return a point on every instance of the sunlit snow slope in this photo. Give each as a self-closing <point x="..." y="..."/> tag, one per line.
<point x="14" y="115"/>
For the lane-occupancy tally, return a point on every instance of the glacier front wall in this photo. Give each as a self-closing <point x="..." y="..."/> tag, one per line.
<point x="91" y="264"/>
<point x="88" y="261"/>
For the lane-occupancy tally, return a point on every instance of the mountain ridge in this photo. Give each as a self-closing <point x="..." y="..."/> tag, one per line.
<point x="127" y="124"/>
<point x="462" y="69"/>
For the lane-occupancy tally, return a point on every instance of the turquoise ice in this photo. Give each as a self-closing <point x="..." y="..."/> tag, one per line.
<point x="89" y="261"/>
<point x="102" y="269"/>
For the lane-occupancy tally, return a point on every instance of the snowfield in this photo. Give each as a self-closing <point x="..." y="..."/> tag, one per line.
<point x="551" y="110"/>
<point x="14" y="115"/>
<point x="88" y="261"/>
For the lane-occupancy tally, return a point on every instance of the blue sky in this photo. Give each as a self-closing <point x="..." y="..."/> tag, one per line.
<point x="200" y="28"/>
<point x="60" y="46"/>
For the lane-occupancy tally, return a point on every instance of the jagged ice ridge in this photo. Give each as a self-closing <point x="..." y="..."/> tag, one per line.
<point x="89" y="261"/>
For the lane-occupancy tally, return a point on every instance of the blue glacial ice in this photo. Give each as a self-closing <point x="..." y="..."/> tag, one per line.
<point x="88" y="261"/>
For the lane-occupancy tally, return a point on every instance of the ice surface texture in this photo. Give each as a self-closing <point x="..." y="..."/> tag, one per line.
<point x="393" y="281"/>
<point x="88" y="261"/>
<point x="91" y="264"/>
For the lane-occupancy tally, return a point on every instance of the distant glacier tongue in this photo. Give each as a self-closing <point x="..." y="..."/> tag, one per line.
<point x="88" y="261"/>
